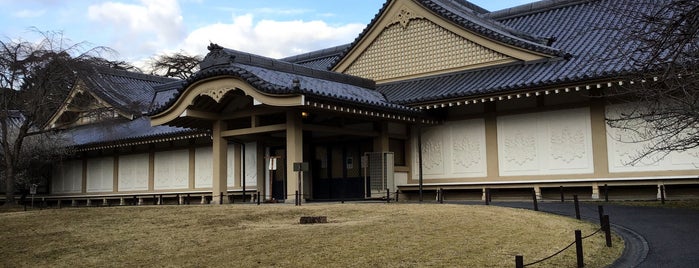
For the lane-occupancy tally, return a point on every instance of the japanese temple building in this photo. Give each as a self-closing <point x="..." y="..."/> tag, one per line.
<point x="433" y="94"/>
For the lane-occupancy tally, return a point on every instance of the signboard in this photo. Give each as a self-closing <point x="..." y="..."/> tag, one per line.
<point x="272" y="163"/>
<point x="32" y="189"/>
<point x="301" y="166"/>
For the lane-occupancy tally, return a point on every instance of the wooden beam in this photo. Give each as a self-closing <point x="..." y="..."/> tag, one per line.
<point x="253" y="130"/>
<point x="200" y="114"/>
<point x="343" y="131"/>
<point x="253" y="112"/>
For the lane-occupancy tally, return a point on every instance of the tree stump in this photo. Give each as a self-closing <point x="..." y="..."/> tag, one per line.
<point x="313" y="219"/>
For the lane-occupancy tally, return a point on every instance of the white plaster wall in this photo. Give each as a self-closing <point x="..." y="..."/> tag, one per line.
<point x="545" y="143"/>
<point x="133" y="172"/>
<point x="100" y="174"/>
<point x="203" y="167"/>
<point x="454" y="150"/>
<point x="171" y="170"/>
<point x="250" y="164"/>
<point x="67" y="177"/>
<point x="626" y="145"/>
<point x="203" y="163"/>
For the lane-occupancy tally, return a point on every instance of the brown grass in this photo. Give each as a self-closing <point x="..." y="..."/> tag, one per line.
<point x="357" y="235"/>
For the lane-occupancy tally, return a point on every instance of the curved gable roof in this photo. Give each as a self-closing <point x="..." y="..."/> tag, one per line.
<point x="277" y="77"/>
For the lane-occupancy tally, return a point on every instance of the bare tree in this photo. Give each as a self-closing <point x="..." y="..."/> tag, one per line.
<point x="177" y="65"/>
<point x="35" y="78"/>
<point x="658" y="42"/>
<point x="117" y="65"/>
<point x="38" y="152"/>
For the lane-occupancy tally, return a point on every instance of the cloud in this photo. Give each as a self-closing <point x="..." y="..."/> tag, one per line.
<point x="266" y="11"/>
<point x="26" y="13"/>
<point x="141" y="28"/>
<point x="270" y="38"/>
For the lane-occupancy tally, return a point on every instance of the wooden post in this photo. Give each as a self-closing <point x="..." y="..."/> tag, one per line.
<point x="562" y="196"/>
<point x="662" y="194"/>
<point x="519" y="261"/>
<point x="441" y="195"/>
<point x="577" y="207"/>
<point x="607" y="230"/>
<point x="536" y="205"/>
<point x="579" y="248"/>
<point x="487" y="196"/>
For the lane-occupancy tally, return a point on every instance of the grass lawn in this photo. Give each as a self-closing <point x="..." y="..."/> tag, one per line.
<point x="357" y="235"/>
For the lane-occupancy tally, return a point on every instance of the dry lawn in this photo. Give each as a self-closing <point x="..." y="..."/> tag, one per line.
<point x="357" y="235"/>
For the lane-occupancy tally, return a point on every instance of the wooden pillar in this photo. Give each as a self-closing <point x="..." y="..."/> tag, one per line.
<point x="491" y="142"/>
<point x="261" y="168"/>
<point x="220" y="159"/>
<point x="381" y="142"/>
<point x="294" y="153"/>
<point x="598" y="127"/>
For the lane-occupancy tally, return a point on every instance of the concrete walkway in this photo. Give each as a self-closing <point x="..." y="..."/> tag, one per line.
<point x="654" y="237"/>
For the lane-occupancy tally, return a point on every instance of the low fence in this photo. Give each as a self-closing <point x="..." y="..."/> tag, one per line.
<point x="173" y="198"/>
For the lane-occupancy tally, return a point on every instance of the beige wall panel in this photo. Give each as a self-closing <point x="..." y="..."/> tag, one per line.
<point x="203" y="167"/>
<point x="67" y="177"/>
<point x="626" y="145"/>
<point x="400" y="178"/>
<point x="133" y="172"/>
<point x="250" y="164"/>
<point x="171" y="170"/>
<point x="545" y="143"/>
<point x="456" y="149"/>
<point x="100" y="174"/>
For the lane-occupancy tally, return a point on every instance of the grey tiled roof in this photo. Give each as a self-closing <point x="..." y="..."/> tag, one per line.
<point x="276" y="77"/>
<point x="127" y="91"/>
<point x="321" y="59"/>
<point x="576" y="27"/>
<point x="164" y="93"/>
<point x="119" y="131"/>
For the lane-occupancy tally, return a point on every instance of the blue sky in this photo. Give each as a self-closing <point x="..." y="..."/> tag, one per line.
<point x="139" y="29"/>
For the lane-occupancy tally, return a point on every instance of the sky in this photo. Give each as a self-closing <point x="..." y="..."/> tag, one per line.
<point x="140" y="29"/>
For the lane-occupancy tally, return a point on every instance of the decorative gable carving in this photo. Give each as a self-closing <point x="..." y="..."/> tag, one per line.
<point x="404" y="16"/>
<point x="417" y="47"/>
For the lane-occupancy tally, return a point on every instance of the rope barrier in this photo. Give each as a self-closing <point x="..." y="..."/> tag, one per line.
<point x="564" y="249"/>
